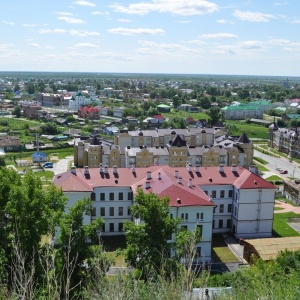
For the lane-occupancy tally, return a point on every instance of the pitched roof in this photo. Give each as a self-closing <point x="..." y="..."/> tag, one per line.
<point x="243" y="139"/>
<point x="125" y="177"/>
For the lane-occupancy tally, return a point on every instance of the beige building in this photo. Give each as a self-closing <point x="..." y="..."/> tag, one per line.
<point x="149" y="147"/>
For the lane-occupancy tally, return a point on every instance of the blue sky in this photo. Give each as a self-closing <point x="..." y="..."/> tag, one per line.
<point x="258" y="37"/>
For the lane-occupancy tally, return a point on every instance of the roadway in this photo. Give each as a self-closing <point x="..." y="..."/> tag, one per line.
<point x="279" y="162"/>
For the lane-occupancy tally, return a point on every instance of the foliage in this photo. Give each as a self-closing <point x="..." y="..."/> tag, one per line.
<point x="17" y="111"/>
<point x="49" y="128"/>
<point x="280" y="226"/>
<point x="215" y="115"/>
<point x="2" y="161"/>
<point x="147" y="246"/>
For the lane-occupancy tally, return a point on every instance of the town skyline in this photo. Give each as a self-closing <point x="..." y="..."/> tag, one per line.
<point x="153" y="36"/>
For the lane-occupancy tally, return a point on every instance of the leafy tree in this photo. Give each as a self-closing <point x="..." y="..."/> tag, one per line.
<point x="49" y="128"/>
<point x="30" y="88"/>
<point x="2" y="161"/>
<point x="131" y="126"/>
<point x="17" y="111"/>
<point x="176" y="101"/>
<point x="147" y="246"/>
<point x="204" y="102"/>
<point x="215" y="115"/>
<point x="75" y="239"/>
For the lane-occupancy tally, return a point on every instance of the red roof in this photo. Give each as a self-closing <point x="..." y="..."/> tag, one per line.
<point x="158" y="117"/>
<point x="168" y="185"/>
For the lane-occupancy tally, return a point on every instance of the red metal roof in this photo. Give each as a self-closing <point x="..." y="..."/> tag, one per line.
<point x="168" y="184"/>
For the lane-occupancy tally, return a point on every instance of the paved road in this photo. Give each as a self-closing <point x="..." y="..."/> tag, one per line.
<point x="62" y="165"/>
<point x="283" y="163"/>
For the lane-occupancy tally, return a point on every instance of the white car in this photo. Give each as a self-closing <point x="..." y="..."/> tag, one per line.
<point x="278" y="169"/>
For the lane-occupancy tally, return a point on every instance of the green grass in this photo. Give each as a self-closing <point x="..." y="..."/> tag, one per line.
<point x="260" y="160"/>
<point x="118" y="259"/>
<point x="280" y="226"/>
<point x="220" y="250"/>
<point x="252" y="130"/>
<point x="262" y="168"/>
<point x="184" y="114"/>
<point x="274" y="178"/>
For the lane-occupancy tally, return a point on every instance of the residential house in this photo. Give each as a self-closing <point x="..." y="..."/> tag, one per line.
<point x="10" y="143"/>
<point x="110" y="130"/>
<point x="89" y="112"/>
<point x="163" y="108"/>
<point x="118" y="112"/>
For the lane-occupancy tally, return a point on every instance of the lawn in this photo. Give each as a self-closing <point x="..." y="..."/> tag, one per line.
<point x="220" y="250"/>
<point x="274" y="178"/>
<point x="280" y="226"/>
<point x="252" y="130"/>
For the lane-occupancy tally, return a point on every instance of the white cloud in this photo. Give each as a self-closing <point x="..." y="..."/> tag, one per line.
<point x="35" y="45"/>
<point x="89" y="45"/>
<point x="4" y="47"/>
<point x="29" y="25"/>
<point x="149" y="47"/>
<point x="221" y="35"/>
<point x="296" y="21"/>
<point x="253" y="45"/>
<point x="71" y="20"/>
<point x="252" y="16"/>
<point x="178" y="7"/>
<point x="61" y="13"/>
<point x="85" y="3"/>
<point x="80" y="33"/>
<point x="184" y="22"/>
<point x="222" y="21"/>
<point x="124" y="20"/>
<point x="8" y="23"/>
<point x="135" y="31"/>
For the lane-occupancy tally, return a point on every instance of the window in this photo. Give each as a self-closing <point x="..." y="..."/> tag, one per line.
<point x="228" y="223"/>
<point x="230" y="193"/>
<point x="221" y="210"/>
<point x="102" y="211"/>
<point x="171" y="216"/>
<point x="229" y="208"/>
<point x="120" y="196"/>
<point x="93" y="212"/>
<point x="213" y="194"/>
<point x="198" y="252"/>
<point x="93" y="196"/>
<point x="222" y="194"/>
<point x="213" y="224"/>
<point x="186" y="217"/>
<point x="130" y="195"/>
<point x="120" y="227"/>
<point x="111" y="211"/>
<point x="111" y="227"/>
<point x="201" y="216"/>
<point x="199" y="231"/>
<point x="128" y="211"/>
<point x="111" y="196"/>
<point x="120" y="211"/>
<point x="102" y="196"/>
<point x="220" y="223"/>
<point x="103" y="227"/>
<point x="182" y="216"/>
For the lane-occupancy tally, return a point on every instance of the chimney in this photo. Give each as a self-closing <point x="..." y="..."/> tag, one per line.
<point x="180" y="180"/>
<point x="147" y="184"/>
<point x="100" y="168"/>
<point x="159" y="176"/>
<point x="106" y="169"/>
<point x="148" y="176"/>
<point x="189" y="167"/>
<point x="133" y="169"/>
<point x="73" y="170"/>
<point x="221" y="168"/>
<point x="115" y="170"/>
<point x="86" y="171"/>
<point x="233" y="168"/>
<point x="176" y="173"/>
<point x="190" y="182"/>
<point x="252" y="169"/>
<point x="197" y="169"/>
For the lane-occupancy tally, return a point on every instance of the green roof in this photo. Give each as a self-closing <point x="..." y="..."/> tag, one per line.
<point x="163" y="106"/>
<point x="243" y="107"/>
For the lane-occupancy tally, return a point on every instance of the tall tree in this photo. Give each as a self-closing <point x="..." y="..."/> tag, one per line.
<point x="214" y="115"/>
<point x="147" y="246"/>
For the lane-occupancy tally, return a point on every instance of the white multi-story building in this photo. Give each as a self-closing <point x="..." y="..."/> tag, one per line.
<point x="214" y="199"/>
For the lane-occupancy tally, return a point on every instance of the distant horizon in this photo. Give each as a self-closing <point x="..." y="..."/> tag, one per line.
<point x="150" y="73"/>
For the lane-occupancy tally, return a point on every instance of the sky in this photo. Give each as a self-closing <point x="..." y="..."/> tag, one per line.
<point x="260" y="37"/>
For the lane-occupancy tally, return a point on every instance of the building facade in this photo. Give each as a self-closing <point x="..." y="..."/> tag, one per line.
<point x="213" y="199"/>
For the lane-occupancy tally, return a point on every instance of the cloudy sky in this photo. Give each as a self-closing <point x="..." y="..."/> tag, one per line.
<point x="241" y="37"/>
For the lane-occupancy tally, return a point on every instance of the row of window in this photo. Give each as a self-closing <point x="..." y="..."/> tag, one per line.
<point x="221" y="224"/>
<point x="112" y="196"/>
<point x="222" y="194"/>
<point x="185" y="216"/>
<point x="221" y="208"/>
<point x="112" y="227"/>
<point x="111" y="211"/>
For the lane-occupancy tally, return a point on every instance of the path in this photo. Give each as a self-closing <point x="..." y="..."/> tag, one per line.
<point x="286" y="207"/>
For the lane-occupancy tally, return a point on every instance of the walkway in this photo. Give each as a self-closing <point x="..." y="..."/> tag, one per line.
<point x="286" y="207"/>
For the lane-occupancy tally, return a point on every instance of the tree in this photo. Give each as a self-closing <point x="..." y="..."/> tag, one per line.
<point x="17" y="111"/>
<point x="215" y="115"/>
<point x="204" y="102"/>
<point x="2" y="161"/>
<point x="147" y="246"/>
<point x="176" y="101"/>
<point x="74" y="240"/>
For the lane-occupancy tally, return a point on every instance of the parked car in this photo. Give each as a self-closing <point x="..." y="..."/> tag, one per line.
<point x="284" y="172"/>
<point x="47" y="165"/>
<point x="278" y="169"/>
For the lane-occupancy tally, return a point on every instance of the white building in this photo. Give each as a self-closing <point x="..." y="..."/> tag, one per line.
<point x="214" y="199"/>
